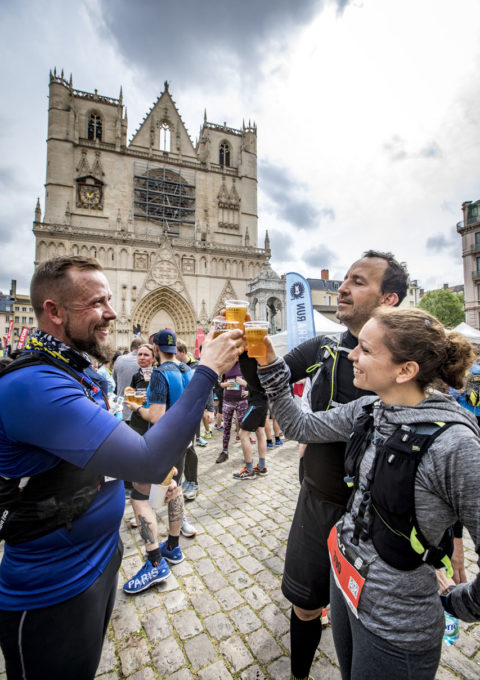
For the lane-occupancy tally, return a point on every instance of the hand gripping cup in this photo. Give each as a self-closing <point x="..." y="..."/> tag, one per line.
<point x="255" y="332"/>
<point x="221" y="325"/>
<point x="236" y="310"/>
<point x="159" y="491"/>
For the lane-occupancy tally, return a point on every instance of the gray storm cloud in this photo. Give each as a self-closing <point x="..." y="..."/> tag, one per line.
<point x="192" y="39"/>
<point x="320" y="256"/>
<point x="289" y="198"/>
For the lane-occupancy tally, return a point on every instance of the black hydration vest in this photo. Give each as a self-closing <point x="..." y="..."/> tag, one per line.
<point x="389" y="493"/>
<point x="324" y="370"/>
<point x="31" y="507"/>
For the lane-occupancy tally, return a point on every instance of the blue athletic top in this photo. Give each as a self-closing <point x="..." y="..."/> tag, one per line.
<point x="44" y="416"/>
<point x="168" y="382"/>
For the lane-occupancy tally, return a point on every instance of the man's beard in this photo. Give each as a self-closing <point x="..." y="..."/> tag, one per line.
<point x="91" y="345"/>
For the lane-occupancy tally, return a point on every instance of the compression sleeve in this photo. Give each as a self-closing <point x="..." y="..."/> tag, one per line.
<point x="124" y="454"/>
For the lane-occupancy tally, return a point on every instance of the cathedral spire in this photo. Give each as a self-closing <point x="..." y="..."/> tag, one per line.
<point x="267" y="243"/>
<point x="38" y="211"/>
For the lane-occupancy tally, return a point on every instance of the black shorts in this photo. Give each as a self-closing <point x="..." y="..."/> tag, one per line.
<point x="254" y="417"/>
<point x="306" y="576"/>
<point x="63" y="640"/>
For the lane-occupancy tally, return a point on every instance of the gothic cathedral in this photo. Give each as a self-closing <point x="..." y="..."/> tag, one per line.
<point x="174" y="225"/>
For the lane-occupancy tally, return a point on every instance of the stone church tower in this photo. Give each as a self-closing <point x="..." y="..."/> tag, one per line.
<point x="174" y="225"/>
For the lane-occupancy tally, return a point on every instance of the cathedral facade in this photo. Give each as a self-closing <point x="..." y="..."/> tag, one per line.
<point x="174" y="225"/>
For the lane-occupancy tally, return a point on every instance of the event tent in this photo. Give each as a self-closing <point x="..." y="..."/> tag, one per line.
<point x="468" y="332"/>
<point x="323" y="326"/>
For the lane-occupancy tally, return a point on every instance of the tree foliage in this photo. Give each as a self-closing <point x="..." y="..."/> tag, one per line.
<point x="445" y="305"/>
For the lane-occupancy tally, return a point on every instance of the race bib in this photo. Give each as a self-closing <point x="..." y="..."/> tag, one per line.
<point x="347" y="577"/>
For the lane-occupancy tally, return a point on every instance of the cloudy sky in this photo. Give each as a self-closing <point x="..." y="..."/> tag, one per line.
<point x="368" y="113"/>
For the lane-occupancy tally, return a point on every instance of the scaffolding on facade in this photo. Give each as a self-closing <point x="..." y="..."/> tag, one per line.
<point x="164" y="196"/>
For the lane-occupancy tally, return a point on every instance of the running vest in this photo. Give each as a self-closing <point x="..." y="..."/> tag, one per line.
<point x="31" y="507"/>
<point x="325" y="370"/>
<point x="389" y="493"/>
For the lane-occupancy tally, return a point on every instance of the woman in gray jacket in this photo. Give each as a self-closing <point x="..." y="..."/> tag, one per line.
<point x="413" y="462"/>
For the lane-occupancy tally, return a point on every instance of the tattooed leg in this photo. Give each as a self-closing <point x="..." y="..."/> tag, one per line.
<point x="147" y="523"/>
<point x="175" y="513"/>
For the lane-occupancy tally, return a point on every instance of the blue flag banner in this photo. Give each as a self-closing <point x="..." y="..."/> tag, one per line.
<point x="300" y="323"/>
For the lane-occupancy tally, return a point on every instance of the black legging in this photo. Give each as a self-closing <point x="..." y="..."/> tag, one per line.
<point x="365" y="656"/>
<point x="64" y="640"/>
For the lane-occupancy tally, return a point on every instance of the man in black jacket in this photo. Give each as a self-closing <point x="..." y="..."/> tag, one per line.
<point x="376" y="279"/>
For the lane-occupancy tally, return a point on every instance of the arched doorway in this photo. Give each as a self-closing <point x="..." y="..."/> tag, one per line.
<point x="164" y="308"/>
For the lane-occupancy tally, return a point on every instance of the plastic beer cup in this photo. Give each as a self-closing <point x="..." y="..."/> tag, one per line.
<point x="255" y="332"/>
<point x="129" y="393"/>
<point x="236" y="310"/>
<point x="222" y="325"/>
<point x="140" y="396"/>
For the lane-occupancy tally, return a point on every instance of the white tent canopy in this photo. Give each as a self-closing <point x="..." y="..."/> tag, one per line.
<point x="323" y="326"/>
<point x="468" y="332"/>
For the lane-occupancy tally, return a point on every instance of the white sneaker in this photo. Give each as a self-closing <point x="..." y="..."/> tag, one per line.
<point x="187" y="529"/>
<point x="190" y="492"/>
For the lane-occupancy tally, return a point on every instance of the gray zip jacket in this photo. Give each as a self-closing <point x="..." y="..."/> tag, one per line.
<point x="402" y="606"/>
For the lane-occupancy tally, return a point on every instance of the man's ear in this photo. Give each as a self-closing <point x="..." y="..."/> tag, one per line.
<point x="408" y="372"/>
<point x="54" y="312"/>
<point x="390" y="299"/>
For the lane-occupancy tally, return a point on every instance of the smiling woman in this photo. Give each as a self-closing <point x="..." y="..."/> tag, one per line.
<point x="413" y="465"/>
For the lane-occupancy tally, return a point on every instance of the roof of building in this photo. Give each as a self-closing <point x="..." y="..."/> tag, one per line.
<point x="324" y="284"/>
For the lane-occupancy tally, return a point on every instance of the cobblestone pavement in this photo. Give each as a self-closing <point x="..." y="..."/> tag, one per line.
<point x="221" y="614"/>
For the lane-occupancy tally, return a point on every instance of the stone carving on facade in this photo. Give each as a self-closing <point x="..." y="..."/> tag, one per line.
<point x="188" y="265"/>
<point x="83" y="167"/>
<point x="140" y="261"/>
<point x="228" y="293"/>
<point x="97" y="167"/>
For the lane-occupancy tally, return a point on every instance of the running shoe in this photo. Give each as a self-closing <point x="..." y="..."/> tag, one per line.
<point x="133" y="523"/>
<point x="237" y="438"/>
<point x="260" y="471"/>
<point x="269" y="445"/>
<point x="222" y="457"/>
<point x="219" y="428"/>
<point x="190" y="492"/>
<point x="201" y="441"/>
<point x="147" y="576"/>
<point x="244" y="474"/>
<point x="185" y="486"/>
<point x="278" y="441"/>
<point x="174" y="556"/>
<point x="187" y="529"/>
<point x="207" y="434"/>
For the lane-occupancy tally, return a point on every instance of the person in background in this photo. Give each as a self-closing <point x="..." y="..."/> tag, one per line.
<point x="106" y="371"/>
<point x="276" y="431"/>
<point x="234" y="403"/>
<point x="167" y="384"/>
<point x="190" y="484"/>
<point x="123" y="370"/>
